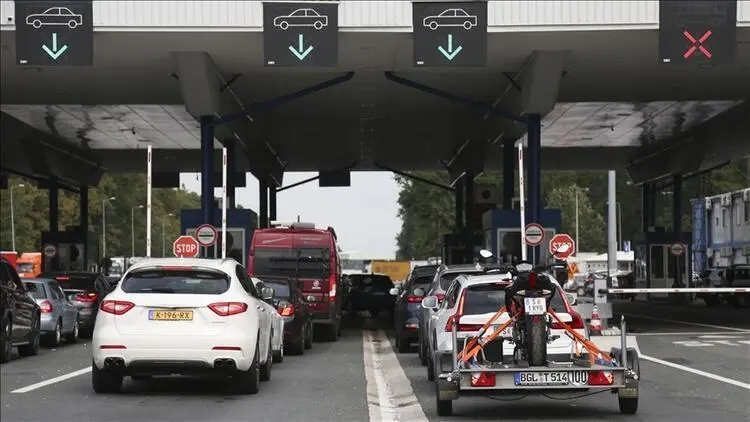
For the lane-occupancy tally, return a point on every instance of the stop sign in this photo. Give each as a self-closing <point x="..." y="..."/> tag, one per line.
<point x="562" y="246"/>
<point x="185" y="247"/>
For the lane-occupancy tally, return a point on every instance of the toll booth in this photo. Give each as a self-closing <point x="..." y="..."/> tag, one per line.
<point x="658" y="263"/>
<point x="454" y="248"/>
<point x="70" y="250"/>
<point x="240" y="226"/>
<point x="502" y="234"/>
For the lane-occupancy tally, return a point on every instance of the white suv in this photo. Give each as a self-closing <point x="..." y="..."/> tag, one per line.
<point x="183" y="316"/>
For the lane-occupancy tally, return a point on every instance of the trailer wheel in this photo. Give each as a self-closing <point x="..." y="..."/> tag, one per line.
<point x="628" y="405"/>
<point x="444" y="407"/>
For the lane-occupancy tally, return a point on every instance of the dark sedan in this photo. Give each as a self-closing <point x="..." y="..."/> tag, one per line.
<point x="85" y="290"/>
<point x="371" y="292"/>
<point x="290" y="302"/>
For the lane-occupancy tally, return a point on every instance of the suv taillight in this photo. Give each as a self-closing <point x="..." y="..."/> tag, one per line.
<point x="86" y="297"/>
<point x="414" y="299"/>
<point x="116" y="307"/>
<point x="228" y="308"/>
<point x="45" y="307"/>
<point x="332" y="288"/>
<point x="286" y="309"/>
<point x="451" y="320"/>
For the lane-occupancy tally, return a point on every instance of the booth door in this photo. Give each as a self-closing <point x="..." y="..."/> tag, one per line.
<point x="663" y="266"/>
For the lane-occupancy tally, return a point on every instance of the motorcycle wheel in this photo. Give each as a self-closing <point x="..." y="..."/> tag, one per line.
<point x="536" y="341"/>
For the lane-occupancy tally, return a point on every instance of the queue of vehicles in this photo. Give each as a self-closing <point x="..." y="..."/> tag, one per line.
<point x="493" y="330"/>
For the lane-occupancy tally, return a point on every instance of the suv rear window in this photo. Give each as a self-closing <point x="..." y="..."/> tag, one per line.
<point x="377" y="281"/>
<point x="36" y="290"/>
<point x="194" y="282"/>
<point x="280" y="289"/>
<point x="74" y="282"/>
<point x="489" y="298"/>
<point x="447" y="278"/>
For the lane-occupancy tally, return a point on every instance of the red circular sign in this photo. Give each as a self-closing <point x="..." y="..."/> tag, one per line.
<point x="677" y="249"/>
<point x="185" y="247"/>
<point x="562" y="246"/>
<point x="534" y="234"/>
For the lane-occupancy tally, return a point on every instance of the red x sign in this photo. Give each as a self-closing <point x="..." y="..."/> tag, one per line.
<point x="697" y="44"/>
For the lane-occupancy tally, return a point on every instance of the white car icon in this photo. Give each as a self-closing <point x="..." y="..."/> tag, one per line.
<point x="55" y="16"/>
<point x="301" y="17"/>
<point x="451" y="17"/>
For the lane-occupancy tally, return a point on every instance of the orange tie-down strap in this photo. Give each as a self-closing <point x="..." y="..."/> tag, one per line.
<point x="473" y="345"/>
<point x="594" y="351"/>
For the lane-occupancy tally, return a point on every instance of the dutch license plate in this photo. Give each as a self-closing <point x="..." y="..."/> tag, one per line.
<point x="577" y="378"/>
<point x="534" y="305"/>
<point x="170" y="315"/>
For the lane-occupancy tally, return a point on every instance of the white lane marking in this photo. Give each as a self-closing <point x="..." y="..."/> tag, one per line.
<point x="696" y="324"/>
<point x="52" y="381"/>
<point x="697" y="372"/>
<point x="692" y="343"/>
<point x="703" y="334"/>
<point x="389" y="393"/>
<point x="731" y="337"/>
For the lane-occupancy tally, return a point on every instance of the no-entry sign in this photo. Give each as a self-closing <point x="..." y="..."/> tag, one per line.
<point x="677" y="249"/>
<point x="562" y="246"/>
<point x="534" y="234"/>
<point x="206" y="235"/>
<point x="185" y="247"/>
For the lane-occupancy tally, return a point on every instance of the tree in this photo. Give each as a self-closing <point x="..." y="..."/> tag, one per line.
<point x="591" y="225"/>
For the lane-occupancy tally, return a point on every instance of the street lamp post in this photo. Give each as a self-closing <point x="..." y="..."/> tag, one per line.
<point x="163" y="236"/>
<point x="13" y="216"/>
<point x="132" y="230"/>
<point x="577" y="244"/>
<point x="104" y="224"/>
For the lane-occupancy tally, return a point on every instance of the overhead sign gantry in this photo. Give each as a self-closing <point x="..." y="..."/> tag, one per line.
<point x="300" y="34"/>
<point x="54" y="33"/>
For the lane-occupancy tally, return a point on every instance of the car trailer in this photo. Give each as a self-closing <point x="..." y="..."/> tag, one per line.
<point x="617" y="371"/>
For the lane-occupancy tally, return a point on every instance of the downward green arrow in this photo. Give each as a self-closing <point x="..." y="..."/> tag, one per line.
<point x="300" y="52"/>
<point x="451" y="53"/>
<point x="54" y="53"/>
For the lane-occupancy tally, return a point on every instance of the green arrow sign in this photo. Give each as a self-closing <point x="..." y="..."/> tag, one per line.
<point x="451" y="53"/>
<point x="54" y="53"/>
<point x="300" y="51"/>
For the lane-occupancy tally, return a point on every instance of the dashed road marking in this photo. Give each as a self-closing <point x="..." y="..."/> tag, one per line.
<point x="389" y="393"/>
<point x="51" y="381"/>
<point x="697" y="372"/>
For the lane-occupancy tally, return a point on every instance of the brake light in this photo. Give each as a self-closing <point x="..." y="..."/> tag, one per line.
<point x="532" y="280"/>
<point x="45" y="307"/>
<point x="287" y="310"/>
<point x="117" y="307"/>
<point x="576" y="324"/>
<point x="440" y="297"/>
<point x="62" y="278"/>
<point x="332" y="287"/>
<point x="414" y="299"/>
<point x="228" y="308"/>
<point x="86" y="297"/>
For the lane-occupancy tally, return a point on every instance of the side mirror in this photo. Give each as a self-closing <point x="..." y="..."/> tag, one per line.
<point x="419" y="292"/>
<point x="394" y="291"/>
<point x="267" y="293"/>
<point x="484" y="253"/>
<point x="430" y="302"/>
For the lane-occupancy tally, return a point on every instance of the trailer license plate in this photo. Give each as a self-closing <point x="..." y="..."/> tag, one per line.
<point x="576" y="378"/>
<point x="534" y="305"/>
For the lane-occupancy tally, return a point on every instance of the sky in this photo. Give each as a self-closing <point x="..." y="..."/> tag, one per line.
<point x="365" y="215"/>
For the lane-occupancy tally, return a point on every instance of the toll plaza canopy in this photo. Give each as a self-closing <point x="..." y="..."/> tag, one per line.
<point x="370" y="85"/>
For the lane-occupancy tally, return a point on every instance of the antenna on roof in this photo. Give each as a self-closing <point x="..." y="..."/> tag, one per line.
<point x="298" y="220"/>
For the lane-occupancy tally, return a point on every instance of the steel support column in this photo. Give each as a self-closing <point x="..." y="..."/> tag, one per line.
<point x="677" y="225"/>
<point x="509" y="167"/>
<point x="534" y="154"/>
<point x="459" y="206"/>
<point x="231" y="169"/>
<point x="271" y="201"/>
<point x="54" y="194"/>
<point x="469" y="223"/>
<point x="207" y="169"/>
<point x="83" y="209"/>
<point x="263" y="203"/>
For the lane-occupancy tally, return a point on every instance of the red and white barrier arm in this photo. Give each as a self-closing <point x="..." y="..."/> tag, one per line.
<point x="680" y="290"/>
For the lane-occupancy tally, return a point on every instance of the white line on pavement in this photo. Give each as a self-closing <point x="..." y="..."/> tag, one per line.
<point x="389" y="393"/>
<point x="52" y="381"/>
<point x="703" y="334"/>
<point x="696" y="324"/>
<point x="697" y="372"/>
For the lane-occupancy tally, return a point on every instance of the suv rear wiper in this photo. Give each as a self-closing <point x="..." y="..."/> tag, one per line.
<point x="154" y="290"/>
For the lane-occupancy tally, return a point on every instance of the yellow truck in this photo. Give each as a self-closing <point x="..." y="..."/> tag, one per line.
<point x="398" y="271"/>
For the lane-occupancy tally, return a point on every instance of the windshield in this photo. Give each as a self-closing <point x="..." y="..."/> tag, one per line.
<point x="75" y="282"/>
<point x="25" y="267"/>
<point x="177" y="282"/>
<point x="371" y="282"/>
<point x="489" y="298"/>
<point x="300" y="262"/>
<point x="281" y="289"/>
<point x="36" y="290"/>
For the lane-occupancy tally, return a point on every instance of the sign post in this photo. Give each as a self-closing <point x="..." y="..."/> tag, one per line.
<point x="450" y="33"/>
<point x="562" y="246"/>
<point x="224" y="205"/>
<point x="148" y="203"/>
<point x="185" y="247"/>
<point x="54" y="33"/>
<point x="522" y="204"/>
<point x="300" y="34"/>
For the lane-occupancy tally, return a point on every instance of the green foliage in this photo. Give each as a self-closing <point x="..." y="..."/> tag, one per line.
<point x="427" y="212"/>
<point x="31" y="206"/>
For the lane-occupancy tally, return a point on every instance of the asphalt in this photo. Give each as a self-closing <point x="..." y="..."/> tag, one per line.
<point x="329" y="382"/>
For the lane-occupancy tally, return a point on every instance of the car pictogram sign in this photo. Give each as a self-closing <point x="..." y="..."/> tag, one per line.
<point x="562" y="246"/>
<point x="185" y="247"/>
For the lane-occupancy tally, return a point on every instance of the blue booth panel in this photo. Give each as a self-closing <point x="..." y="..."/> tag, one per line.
<point x="240" y="226"/>
<point x="502" y="233"/>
